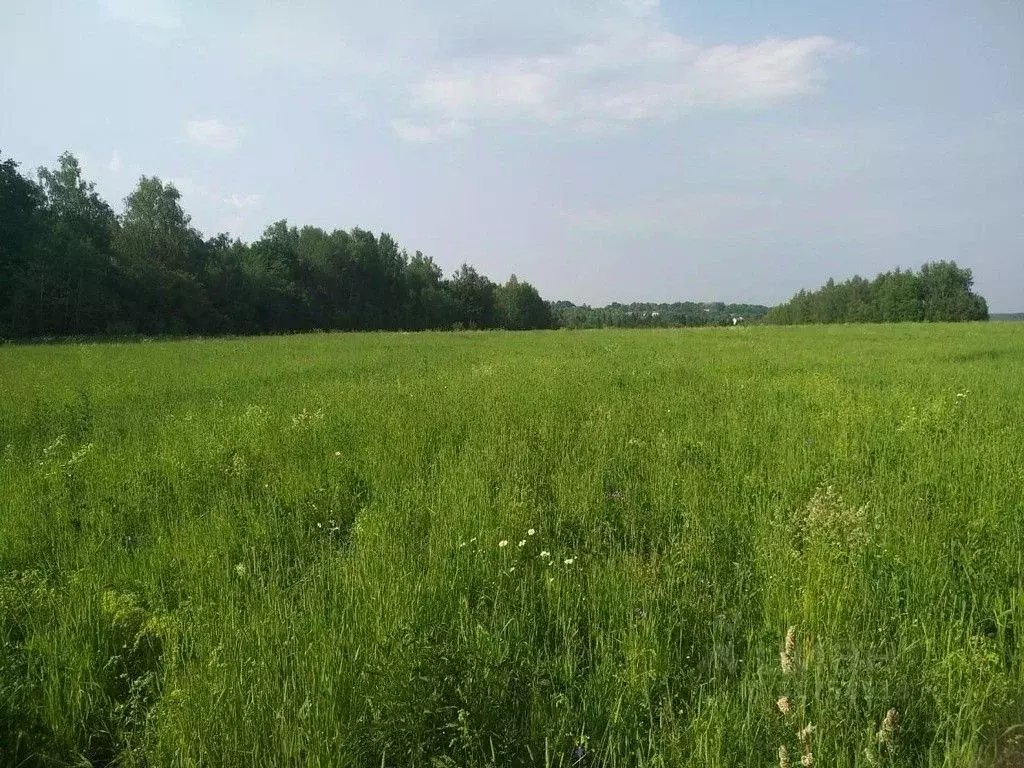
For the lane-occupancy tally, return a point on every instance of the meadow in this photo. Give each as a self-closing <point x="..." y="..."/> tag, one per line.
<point x="713" y="547"/>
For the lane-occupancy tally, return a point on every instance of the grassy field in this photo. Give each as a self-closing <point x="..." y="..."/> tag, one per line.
<point x="491" y="549"/>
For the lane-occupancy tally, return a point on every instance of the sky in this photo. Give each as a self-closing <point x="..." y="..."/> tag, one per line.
<point x="607" y="150"/>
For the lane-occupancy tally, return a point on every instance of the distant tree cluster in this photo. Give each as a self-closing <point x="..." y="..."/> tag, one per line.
<point x="940" y="292"/>
<point x="647" y="315"/>
<point x="70" y="266"/>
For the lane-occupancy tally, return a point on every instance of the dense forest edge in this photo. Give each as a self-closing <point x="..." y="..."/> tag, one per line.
<point x="71" y="267"/>
<point x="939" y="292"/>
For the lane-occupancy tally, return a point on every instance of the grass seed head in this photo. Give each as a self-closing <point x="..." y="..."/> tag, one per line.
<point x="829" y="520"/>
<point x="886" y="735"/>
<point x="804" y="735"/>
<point x="787" y="656"/>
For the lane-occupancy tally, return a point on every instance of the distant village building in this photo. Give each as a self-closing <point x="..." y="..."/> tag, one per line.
<point x="737" y="320"/>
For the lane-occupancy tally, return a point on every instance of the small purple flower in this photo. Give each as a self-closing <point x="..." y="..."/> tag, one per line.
<point x="579" y="753"/>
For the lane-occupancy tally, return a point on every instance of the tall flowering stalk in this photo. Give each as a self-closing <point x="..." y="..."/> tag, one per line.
<point x="885" y="739"/>
<point x="787" y="663"/>
<point x="787" y="656"/>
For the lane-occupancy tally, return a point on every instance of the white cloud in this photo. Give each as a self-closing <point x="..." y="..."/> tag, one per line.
<point x="564" y="63"/>
<point x="243" y="201"/>
<point x="146" y="13"/>
<point x="115" y="164"/>
<point x="214" y="133"/>
<point x="616" y="81"/>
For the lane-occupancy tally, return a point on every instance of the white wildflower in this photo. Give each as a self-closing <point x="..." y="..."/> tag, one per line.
<point x="503" y="543"/>
<point x="545" y="554"/>
<point x="530" y="532"/>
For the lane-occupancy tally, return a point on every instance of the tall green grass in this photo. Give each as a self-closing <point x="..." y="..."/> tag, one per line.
<point x="488" y="549"/>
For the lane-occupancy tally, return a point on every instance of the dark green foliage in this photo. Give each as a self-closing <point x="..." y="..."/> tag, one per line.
<point x="940" y="292"/>
<point x="70" y="267"/>
<point x="472" y="298"/>
<point x="519" y="306"/>
<point x="55" y="271"/>
<point x="21" y="213"/>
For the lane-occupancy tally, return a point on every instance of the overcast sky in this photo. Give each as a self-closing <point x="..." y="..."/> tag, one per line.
<point x="604" y="149"/>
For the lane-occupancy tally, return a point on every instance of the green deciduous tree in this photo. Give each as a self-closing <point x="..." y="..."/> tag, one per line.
<point x="520" y="307"/>
<point x="941" y="291"/>
<point x="427" y="305"/>
<point x="66" y="281"/>
<point x="21" y="222"/>
<point x="472" y="297"/>
<point x="160" y="259"/>
<point x="946" y="293"/>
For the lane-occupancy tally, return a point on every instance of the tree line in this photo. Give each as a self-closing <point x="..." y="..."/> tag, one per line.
<point x="71" y="266"/>
<point x="654" y="315"/>
<point x="939" y="292"/>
